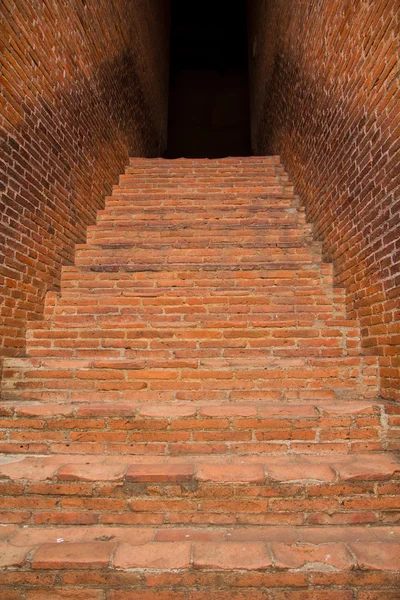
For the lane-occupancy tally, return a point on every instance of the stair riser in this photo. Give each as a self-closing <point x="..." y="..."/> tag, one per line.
<point x="213" y="219"/>
<point x="155" y="344"/>
<point x="176" y="258"/>
<point x="167" y="387"/>
<point x="201" y="189"/>
<point x="209" y="280"/>
<point x="199" y="306"/>
<point x="128" y="430"/>
<point x="189" y="239"/>
<point x="267" y="173"/>
<point x="71" y="503"/>
<point x="221" y="202"/>
<point x="108" y="584"/>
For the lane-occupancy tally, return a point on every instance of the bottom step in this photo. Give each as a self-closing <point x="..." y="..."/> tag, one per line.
<point x="110" y="563"/>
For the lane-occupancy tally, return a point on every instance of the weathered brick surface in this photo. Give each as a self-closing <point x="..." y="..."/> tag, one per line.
<point x="198" y="418"/>
<point x="190" y="429"/>
<point x="257" y="490"/>
<point x="325" y="95"/>
<point x="83" y="85"/>
<point x="107" y="564"/>
<point x="200" y="281"/>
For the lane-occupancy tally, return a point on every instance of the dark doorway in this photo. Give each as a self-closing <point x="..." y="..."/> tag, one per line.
<point x="209" y="93"/>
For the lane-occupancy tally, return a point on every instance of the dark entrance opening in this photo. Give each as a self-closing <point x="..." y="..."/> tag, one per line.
<point x="209" y="92"/>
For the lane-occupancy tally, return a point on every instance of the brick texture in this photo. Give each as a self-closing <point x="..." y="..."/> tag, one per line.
<point x="69" y="69"/>
<point x="325" y="96"/>
<point x="237" y="305"/>
<point x="196" y="416"/>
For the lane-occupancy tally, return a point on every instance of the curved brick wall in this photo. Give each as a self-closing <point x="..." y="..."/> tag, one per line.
<point x="325" y="95"/>
<point x="83" y="85"/>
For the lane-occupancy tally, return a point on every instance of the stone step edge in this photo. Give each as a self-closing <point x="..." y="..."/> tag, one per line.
<point x="313" y="266"/>
<point x="18" y="535"/>
<point x="284" y="196"/>
<point x="326" y="267"/>
<point x="305" y="409"/>
<point x="199" y="364"/>
<point x="181" y="245"/>
<point x="335" y="469"/>
<point x="205" y="555"/>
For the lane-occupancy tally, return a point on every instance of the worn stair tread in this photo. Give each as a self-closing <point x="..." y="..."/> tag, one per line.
<point x="307" y="408"/>
<point x="317" y="470"/>
<point x="213" y="430"/>
<point x="126" y="552"/>
<point x="33" y="536"/>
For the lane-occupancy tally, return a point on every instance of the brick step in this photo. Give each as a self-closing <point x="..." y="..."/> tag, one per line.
<point x="229" y="214"/>
<point x="126" y="563"/>
<point x="175" y="332"/>
<point x="252" y="315"/>
<point x="159" y="237"/>
<point x="42" y="347"/>
<point x="338" y="377"/>
<point x="209" y="247"/>
<point x="33" y="535"/>
<point x="228" y="160"/>
<point x="226" y="300"/>
<point x="260" y="279"/>
<point x="192" y="203"/>
<point x="206" y="196"/>
<point x="289" y="326"/>
<point x="230" y="315"/>
<point x="224" y="180"/>
<point x="265" y="230"/>
<point x="203" y="188"/>
<point x="247" y="168"/>
<point x="158" y="167"/>
<point x="284" y="200"/>
<point x="178" y="258"/>
<point x="224" y="224"/>
<point x="240" y="168"/>
<point x="71" y="489"/>
<point x="225" y="432"/>
<point x="190" y="235"/>
<point x="287" y="337"/>
<point x="231" y="300"/>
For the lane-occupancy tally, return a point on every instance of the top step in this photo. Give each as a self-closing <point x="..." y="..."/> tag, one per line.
<point x="229" y="160"/>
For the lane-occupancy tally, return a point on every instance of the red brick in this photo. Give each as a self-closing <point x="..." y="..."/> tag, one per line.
<point x="11" y="556"/>
<point x="175" y="555"/>
<point x="297" y="557"/>
<point x="84" y="555"/>
<point x="231" y="555"/>
<point x="292" y="117"/>
<point x="101" y="472"/>
<point x="63" y="594"/>
<point x="160" y="473"/>
<point x="145" y="595"/>
<point x="230" y="473"/>
<point x="380" y="556"/>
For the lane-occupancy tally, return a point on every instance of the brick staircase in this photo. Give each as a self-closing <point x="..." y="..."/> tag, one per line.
<point x="195" y="418"/>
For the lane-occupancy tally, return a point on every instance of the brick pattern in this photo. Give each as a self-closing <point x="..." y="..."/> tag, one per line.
<point x="83" y="85"/>
<point x="195" y="416"/>
<point x="184" y="429"/>
<point x="200" y="281"/>
<point x="203" y="565"/>
<point x="325" y="95"/>
<point x="246" y="491"/>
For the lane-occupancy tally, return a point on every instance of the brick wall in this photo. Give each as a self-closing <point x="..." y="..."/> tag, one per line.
<point x="325" y="95"/>
<point x="83" y="83"/>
